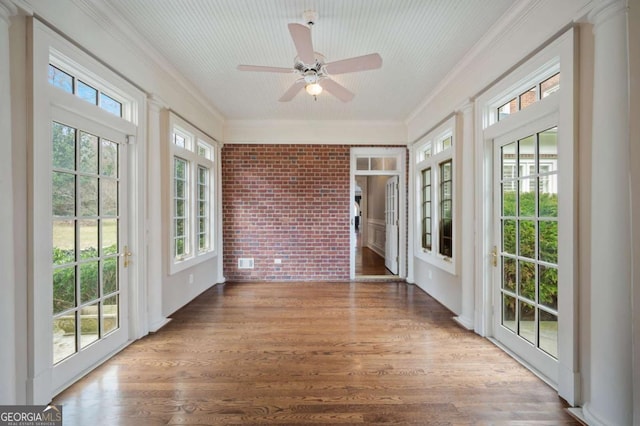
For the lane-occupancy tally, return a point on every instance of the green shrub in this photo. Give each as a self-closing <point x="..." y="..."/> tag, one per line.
<point x="547" y="250"/>
<point x="64" y="278"/>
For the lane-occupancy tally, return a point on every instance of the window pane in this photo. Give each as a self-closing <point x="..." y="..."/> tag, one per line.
<point x="89" y="325"/>
<point x="64" y="242"/>
<point x="87" y="93"/>
<point x="64" y="146"/>
<point x="88" y="233"/>
<point x="64" y="289"/>
<point x="548" y="243"/>
<point x="550" y="85"/>
<point x="180" y="210"/>
<point x="88" y="281"/>
<point x="109" y="104"/>
<point x="377" y="163"/>
<point x="426" y="209"/>
<point x="63" y="194"/>
<point x="446" y="209"/>
<point x="548" y="286"/>
<point x="527" y="197"/>
<point x="390" y="163"/>
<point x="509" y="236"/>
<point x="60" y="79"/>
<point x="362" y="163"/>
<point x="179" y="140"/>
<point x="109" y="236"/>
<point x="108" y="158"/>
<point x="444" y="144"/>
<point x="64" y="337"/>
<point x="204" y="150"/>
<point x="88" y="196"/>
<point x="528" y="98"/>
<point x="527" y="322"/>
<point x="509" y="274"/>
<point x="88" y="153"/>
<point x="509" y="312"/>
<point x="507" y="109"/>
<point x="110" y="310"/>
<point x="527" y="238"/>
<point x="527" y="280"/>
<point x="526" y="156"/>
<point x="108" y="197"/>
<point x="109" y="275"/>
<point x="548" y="333"/>
<point x="426" y="152"/>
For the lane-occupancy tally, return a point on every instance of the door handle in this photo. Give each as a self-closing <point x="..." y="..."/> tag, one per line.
<point x="127" y="256"/>
<point x="494" y="256"/>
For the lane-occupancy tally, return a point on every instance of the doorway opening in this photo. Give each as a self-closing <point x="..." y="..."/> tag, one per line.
<point x="378" y="229"/>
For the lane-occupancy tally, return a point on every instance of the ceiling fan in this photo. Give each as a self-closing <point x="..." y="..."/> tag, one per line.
<point x="314" y="74"/>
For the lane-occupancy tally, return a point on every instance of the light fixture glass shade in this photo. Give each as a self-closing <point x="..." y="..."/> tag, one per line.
<point x="313" y="89"/>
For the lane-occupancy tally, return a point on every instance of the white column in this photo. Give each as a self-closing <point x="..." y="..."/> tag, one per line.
<point x="7" y="271"/>
<point x="154" y="221"/>
<point x="466" y="159"/>
<point x="611" y="379"/>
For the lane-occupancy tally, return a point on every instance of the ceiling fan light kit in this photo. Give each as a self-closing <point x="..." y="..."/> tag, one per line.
<point x="313" y="73"/>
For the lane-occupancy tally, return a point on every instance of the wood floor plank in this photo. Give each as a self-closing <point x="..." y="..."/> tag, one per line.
<point x="312" y="353"/>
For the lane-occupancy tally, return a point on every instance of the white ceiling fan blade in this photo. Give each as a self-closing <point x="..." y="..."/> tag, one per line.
<point x="301" y="36"/>
<point x="360" y="63"/>
<point x="260" y="68"/>
<point x="292" y="91"/>
<point x="336" y="89"/>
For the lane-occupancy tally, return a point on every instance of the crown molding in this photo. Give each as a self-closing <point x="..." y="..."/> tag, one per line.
<point x="7" y="10"/>
<point x="113" y="22"/>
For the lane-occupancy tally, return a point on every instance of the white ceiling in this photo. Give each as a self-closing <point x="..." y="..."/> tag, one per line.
<point x="420" y="41"/>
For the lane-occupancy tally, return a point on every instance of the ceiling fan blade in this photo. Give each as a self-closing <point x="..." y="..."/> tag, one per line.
<point x="260" y="68"/>
<point x="360" y="63"/>
<point x="301" y="36"/>
<point x="292" y="91"/>
<point x="336" y="89"/>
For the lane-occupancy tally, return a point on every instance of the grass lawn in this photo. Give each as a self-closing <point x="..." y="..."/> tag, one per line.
<point x="64" y="233"/>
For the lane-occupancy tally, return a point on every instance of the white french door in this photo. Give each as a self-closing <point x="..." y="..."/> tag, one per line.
<point x="391" y="224"/>
<point x="525" y="255"/>
<point x="89" y="244"/>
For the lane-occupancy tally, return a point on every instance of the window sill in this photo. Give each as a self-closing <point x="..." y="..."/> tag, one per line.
<point x="190" y="262"/>
<point x="446" y="264"/>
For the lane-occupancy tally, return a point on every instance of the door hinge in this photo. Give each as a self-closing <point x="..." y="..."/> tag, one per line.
<point x="494" y="256"/>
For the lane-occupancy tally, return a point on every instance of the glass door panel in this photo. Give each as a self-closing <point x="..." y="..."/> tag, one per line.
<point x="527" y="234"/>
<point x="86" y="222"/>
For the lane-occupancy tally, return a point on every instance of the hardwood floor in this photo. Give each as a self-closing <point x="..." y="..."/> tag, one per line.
<point x="312" y="353"/>
<point x="367" y="261"/>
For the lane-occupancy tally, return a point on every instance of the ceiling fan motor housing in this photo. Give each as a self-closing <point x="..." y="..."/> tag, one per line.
<point x="310" y="17"/>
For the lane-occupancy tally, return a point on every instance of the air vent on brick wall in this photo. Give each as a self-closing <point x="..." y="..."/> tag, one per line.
<point x="245" y="263"/>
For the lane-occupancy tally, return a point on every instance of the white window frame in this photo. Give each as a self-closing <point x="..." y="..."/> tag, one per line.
<point x="434" y="138"/>
<point x="194" y="138"/>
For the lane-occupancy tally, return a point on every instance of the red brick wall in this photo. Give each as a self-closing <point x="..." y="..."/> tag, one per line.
<point x="289" y="202"/>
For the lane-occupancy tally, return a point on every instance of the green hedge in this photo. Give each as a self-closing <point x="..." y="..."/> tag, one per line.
<point x="547" y="250"/>
<point x="64" y="278"/>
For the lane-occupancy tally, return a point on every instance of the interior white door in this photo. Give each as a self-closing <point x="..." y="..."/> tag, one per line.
<point x="391" y="225"/>
<point x="525" y="255"/>
<point x="89" y="237"/>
